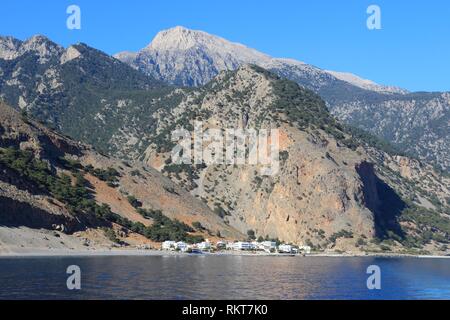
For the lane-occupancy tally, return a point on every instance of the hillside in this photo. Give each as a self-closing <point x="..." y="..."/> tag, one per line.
<point x="337" y="188"/>
<point x="56" y="193"/>
<point x="416" y="122"/>
<point x="56" y="85"/>
<point x="66" y="88"/>
<point x="334" y="189"/>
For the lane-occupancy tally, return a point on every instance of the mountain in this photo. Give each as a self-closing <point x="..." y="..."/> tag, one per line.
<point x="364" y="83"/>
<point x="185" y="57"/>
<point x="338" y="188"/>
<point x="57" y="85"/>
<point x="334" y="189"/>
<point x="416" y="122"/>
<point x="56" y="193"/>
<point x="189" y="58"/>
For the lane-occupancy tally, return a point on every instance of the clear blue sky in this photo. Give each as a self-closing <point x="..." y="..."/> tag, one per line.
<point x="412" y="50"/>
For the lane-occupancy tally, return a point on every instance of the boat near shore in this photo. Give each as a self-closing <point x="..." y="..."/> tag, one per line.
<point x="195" y="251"/>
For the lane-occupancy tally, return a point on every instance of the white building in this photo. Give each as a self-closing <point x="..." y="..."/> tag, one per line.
<point x="256" y="245"/>
<point x="182" y="246"/>
<point x="268" y="246"/>
<point x="168" y="245"/>
<point x="242" y="246"/>
<point x="305" y="249"/>
<point x="206" y="245"/>
<point x="285" y="248"/>
<point x="229" y="246"/>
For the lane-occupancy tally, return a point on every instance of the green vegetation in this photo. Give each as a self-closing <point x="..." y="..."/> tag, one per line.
<point x="80" y="202"/>
<point x="24" y="116"/>
<point x="109" y="175"/>
<point x="163" y="228"/>
<point x="134" y="202"/>
<point x="38" y="173"/>
<point x="276" y="240"/>
<point x="70" y="164"/>
<point x="220" y="211"/>
<point x="341" y="234"/>
<point x="136" y="173"/>
<point x="198" y="225"/>
<point x="284" y="156"/>
<point x="75" y="195"/>
<point x="111" y="235"/>
<point x="430" y="226"/>
<point x="251" y="235"/>
<point x="359" y="136"/>
<point x="301" y="106"/>
<point x="361" y="242"/>
<point x="191" y="172"/>
<point x="306" y="109"/>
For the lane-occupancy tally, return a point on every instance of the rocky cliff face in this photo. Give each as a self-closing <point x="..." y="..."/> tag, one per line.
<point x="313" y="190"/>
<point x="326" y="193"/>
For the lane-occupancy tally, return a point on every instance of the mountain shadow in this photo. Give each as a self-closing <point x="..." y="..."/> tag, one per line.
<point x="385" y="204"/>
<point x="15" y="214"/>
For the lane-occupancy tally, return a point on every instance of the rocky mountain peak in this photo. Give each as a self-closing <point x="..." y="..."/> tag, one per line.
<point x="9" y="47"/>
<point x="183" y="39"/>
<point x="40" y="44"/>
<point x="178" y="38"/>
<point x="188" y="57"/>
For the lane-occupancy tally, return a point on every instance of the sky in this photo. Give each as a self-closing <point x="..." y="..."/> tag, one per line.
<point x="411" y="50"/>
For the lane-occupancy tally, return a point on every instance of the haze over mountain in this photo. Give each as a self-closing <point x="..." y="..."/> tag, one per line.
<point x="418" y="122"/>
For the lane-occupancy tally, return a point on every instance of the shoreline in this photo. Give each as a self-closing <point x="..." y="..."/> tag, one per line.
<point x="154" y="252"/>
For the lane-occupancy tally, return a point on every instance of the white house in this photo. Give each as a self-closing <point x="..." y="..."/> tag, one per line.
<point x="269" y="246"/>
<point x="305" y="249"/>
<point x="256" y="245"/>
<point x="285" y="248"/>
<point x="229" y="246"/>
<point x="168" y="245"/>
<point x="182" y="246"/>
<point x="206" y="245"/>
<point x="242" y="246"/>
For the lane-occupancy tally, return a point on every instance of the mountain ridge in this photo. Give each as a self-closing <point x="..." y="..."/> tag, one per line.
<point x="386" y="111"/>
<point x="336" y="185"/>
<point x="180" y="39"/>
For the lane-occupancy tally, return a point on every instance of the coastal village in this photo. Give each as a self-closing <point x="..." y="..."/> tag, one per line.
<point x="268" y="247"/>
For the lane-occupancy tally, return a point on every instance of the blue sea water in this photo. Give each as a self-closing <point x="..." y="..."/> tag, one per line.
<point x="224" y="277"/>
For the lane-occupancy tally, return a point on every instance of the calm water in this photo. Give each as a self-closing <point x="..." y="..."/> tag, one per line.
<point x="224" y="277"/>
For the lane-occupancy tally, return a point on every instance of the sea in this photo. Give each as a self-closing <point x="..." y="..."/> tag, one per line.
<point x="219" y="277"/>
